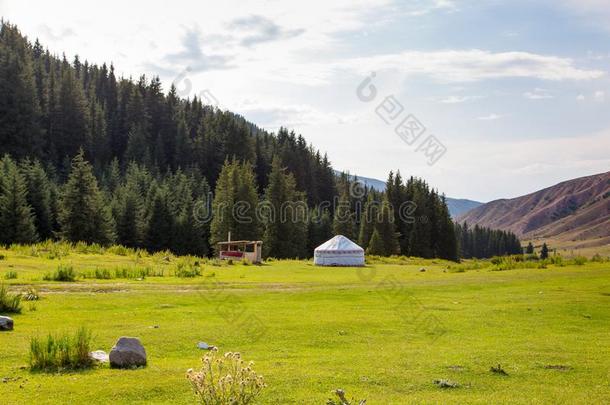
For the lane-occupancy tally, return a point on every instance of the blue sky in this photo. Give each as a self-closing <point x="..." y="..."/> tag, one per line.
<point x="516" y="91"/>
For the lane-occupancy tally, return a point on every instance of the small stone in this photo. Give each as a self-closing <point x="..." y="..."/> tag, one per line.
<point x="99" y="356"/>
<point x="6" y="323"/>
<point x="423" y="269"/>
<point x="205" y="346"/>
<point x="446" y="383"/>
<point x="128" y="352"/>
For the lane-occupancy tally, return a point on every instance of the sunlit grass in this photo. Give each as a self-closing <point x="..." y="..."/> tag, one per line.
<point x="385" y="332"/>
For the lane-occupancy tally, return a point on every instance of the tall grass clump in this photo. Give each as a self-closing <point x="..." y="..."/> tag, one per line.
<point x="98" y="274"/>
<point x="137" y="272"/>
<point x="64" y="352"/>
<point x="187" y="270"/>
<point x="597" y="258"/>
<point x="468" y="265"/>
<point x="225" y="380"/>
<point x="9" y="303"/>
<point x="62" y="273"/>
<point x="48" y="249"/>
<point x="121" y="250"/>
<point x="579" y="260"/>
<point x="10" y="275"/>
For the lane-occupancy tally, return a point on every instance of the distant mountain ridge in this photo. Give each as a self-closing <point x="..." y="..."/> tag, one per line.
<point x="457" y="206"/>
<point x="574" y="213"/>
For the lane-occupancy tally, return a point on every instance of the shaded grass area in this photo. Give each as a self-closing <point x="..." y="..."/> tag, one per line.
<point x="384" y="334"/>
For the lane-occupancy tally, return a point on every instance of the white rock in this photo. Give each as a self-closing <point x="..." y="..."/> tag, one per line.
<point x="99" y="355"/>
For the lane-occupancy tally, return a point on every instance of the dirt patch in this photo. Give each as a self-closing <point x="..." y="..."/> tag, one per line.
<point x="559" y="367"/>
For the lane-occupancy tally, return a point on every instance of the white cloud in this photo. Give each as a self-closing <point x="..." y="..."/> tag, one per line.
<point x="458" y="99"/>
<point x="599" y="96"/>
<point x="490" y="117"/>
<point x="580" y="97"/>
<point x="475" y="65"/>
<point x="543" y="161"/>
<point x="420" y="8"/>
<point x="271" y="116"/>
<point x="537" y="94"/>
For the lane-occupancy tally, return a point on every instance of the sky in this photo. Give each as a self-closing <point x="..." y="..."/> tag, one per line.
<point x="498" y="98"/>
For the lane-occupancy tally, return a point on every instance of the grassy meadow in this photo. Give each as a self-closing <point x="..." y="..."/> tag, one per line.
<point x="383" y="333"/>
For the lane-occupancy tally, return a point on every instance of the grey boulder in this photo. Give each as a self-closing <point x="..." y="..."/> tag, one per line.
<point x="6" y="323"/>
<point x="128" y="352"/>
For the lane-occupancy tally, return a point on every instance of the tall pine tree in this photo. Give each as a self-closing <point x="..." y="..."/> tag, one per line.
<point x="16" y="216"/>
<point x="84" y="214"/>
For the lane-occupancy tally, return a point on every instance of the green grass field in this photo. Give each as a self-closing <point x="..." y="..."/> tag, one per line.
<point x="384" y="332"/>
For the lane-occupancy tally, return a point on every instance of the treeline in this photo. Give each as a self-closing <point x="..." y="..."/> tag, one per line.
<point x="134" y="210"/>
<point x="178" y="211"/>
<point x="96" y="158"/>
<point x="50" y="108"/>
<point x="483" y="242"/>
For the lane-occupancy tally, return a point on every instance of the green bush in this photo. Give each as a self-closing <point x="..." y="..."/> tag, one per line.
<point x="9" y="303"/>
<point x="62" y="273"/>
<point x="10" y="275"/>
<point x="187" y="270"/>
<point x="56" y="353"/>
<point x="579" y="260"/>
<point x="121" y="250"/>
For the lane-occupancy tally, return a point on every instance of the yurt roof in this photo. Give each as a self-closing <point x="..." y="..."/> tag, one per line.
<point x="339" y="244"/>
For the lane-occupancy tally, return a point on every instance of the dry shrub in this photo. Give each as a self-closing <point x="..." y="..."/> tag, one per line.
<point x="225" y="380"/>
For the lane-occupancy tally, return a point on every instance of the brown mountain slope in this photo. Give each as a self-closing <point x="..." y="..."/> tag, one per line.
<point x="574" y="213"/>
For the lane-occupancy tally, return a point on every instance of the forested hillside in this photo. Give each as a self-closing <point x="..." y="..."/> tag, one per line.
<point x="99" y="158"/>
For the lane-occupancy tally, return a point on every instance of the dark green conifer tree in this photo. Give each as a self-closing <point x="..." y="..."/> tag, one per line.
<point x="285" y="234"/>
<point x="376" y="246"/>
<point x="39" y="197"/>
<point x="343" y="221"/>
<point x="84" y="214"/>
<point x="160" y="227"/>
<point x="16" y="216"/>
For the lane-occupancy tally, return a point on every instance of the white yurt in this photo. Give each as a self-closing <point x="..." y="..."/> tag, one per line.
<point x="339" y="251"/>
